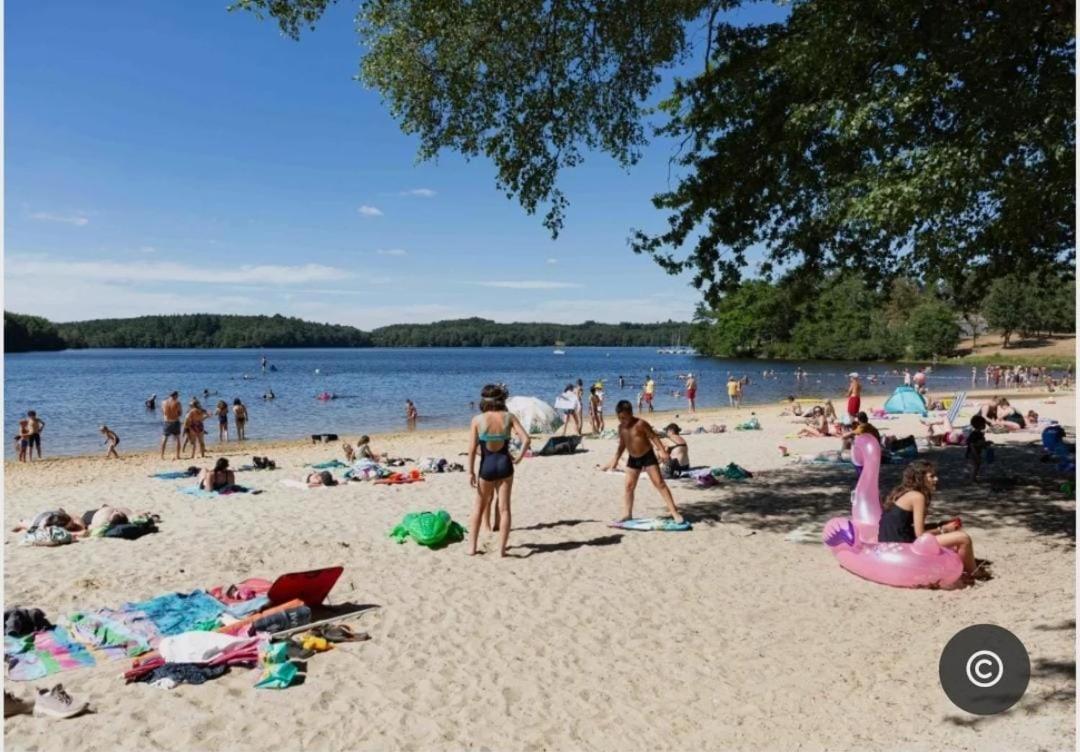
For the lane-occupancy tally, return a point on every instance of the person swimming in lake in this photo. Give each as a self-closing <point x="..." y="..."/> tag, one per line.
<point x="111" y="442"/>
<point x="489" y="436"/>
<point x="639" y="439"/>
<point x="903" y="515"/>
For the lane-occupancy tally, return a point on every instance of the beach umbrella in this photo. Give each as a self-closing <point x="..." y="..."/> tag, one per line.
<point x="535" y="415"/>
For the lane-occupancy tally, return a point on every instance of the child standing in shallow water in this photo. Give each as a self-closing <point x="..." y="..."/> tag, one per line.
<point x="111" y="441"/>
<point x="222" y="412"/>
<point x="22" y="439"/>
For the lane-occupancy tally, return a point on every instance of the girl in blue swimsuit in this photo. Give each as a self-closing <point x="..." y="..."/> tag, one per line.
<point x="489" y="434"/>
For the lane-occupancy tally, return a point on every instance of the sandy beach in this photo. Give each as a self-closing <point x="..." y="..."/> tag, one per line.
<point x="727" y="637"/>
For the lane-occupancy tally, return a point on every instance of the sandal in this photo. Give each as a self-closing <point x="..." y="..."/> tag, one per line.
<point x="339" y="633"/>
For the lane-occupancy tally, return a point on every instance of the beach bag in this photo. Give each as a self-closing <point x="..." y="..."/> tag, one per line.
<point x="47" y="536"/>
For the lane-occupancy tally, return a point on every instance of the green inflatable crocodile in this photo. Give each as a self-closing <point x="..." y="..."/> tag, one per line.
<point x="428" y="529"/>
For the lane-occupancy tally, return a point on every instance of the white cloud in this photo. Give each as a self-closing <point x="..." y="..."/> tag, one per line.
<point x="147" y="249"/>
<point x="72" y="299"/>
<point x="534" y="284"/>
<point x="370" y="211"/>
<point x="392" y="252"/>
<point x="419" y="193"/>
<point x="69" y="219"/>
<point x="46" y="268"/>
<point x="553" y="261"/>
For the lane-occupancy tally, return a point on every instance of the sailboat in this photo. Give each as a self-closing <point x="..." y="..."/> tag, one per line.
<point x="677" y="349"/>
<point x="559" y="348"/>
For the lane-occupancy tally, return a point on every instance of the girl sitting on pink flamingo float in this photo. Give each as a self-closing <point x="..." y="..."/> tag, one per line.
<point x="894" y="546"/>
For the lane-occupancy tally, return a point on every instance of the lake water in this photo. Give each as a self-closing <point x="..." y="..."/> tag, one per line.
<point x="76" y="391"/>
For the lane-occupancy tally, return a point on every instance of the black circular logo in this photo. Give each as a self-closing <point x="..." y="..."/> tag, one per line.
<point x="984" y="669"/>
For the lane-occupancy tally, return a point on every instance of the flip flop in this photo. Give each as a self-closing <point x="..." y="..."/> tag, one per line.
<point x="339" y="633"/>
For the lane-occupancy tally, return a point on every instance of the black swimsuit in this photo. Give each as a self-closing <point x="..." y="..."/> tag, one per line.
<point x="497" y="464"/>
<point x="897" y="525"/>
<point x="640" y="463"/>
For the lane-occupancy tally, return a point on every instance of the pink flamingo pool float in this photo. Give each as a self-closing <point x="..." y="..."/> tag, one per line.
<point x="854" y="542"/>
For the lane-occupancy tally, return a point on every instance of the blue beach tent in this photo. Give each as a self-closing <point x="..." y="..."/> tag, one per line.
<point x="905" y="400"/>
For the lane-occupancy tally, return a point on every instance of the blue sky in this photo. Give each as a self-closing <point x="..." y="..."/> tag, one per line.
<point x="175" y="158"/>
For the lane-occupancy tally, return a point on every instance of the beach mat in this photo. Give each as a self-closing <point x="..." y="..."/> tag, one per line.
<point x="202" y="493"/>
<point x="652" y="523"/>
<point x="172" y="475"/>
<point x="311" y="587"/>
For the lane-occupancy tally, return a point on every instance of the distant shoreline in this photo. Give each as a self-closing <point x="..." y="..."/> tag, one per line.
<point x="234" y="448"/>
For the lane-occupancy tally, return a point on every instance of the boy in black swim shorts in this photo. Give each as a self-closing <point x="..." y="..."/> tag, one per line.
<point x="639" y="438"/>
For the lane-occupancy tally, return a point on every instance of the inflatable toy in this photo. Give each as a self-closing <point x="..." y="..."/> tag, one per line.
<point x="431" y="529"/>
<point x="854" y="543"/>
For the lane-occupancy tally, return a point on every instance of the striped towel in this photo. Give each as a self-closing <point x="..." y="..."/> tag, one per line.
<point x="43" y="653"/>
<point x="957" y="404"/>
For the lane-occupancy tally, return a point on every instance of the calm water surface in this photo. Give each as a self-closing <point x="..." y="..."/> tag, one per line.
<point x="76" y="391"/>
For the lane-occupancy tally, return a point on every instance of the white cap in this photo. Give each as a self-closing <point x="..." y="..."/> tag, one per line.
<point x="853" y="375"/>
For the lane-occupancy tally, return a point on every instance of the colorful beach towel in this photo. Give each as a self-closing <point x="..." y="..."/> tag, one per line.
<point x="174" y="613"/>
<point x="43" y="654"/>
<point x="118" y="634"/>
<point x="398" y="479"/>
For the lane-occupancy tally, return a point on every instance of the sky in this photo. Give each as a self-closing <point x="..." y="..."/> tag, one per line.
<point x="177" y="158"/>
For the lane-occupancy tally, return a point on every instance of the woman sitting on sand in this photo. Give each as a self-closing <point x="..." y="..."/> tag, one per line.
<point x="819" y="425"/>
<point x="903" y="515"/>
<point x="794" y="407"/>
<point x="489" y="434"/>
<point x="678" y="449"/>
<point x="218" y="479"/>
<point x="363" y="451"/>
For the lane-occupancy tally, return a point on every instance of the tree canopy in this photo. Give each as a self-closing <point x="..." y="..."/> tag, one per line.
<point x="24" y="333"/>
<point x="205" y="330"/>
<point x="841" y="317"/>
<point x="911" y="137"/>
